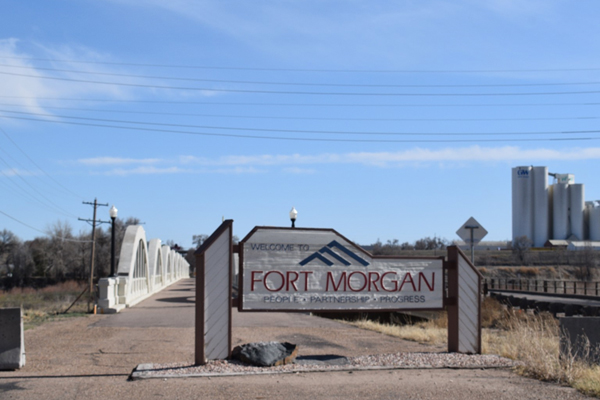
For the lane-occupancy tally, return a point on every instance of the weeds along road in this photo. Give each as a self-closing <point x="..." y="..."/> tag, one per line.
<point x="92" y="357"/>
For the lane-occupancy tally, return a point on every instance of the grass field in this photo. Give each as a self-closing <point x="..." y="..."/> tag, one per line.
<point x="531" y="339"/>
<point x="49" y="303"/>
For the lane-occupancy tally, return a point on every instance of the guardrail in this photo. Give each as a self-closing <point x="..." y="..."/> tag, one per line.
<point x="144" y="269"/>
<point x="591" y="288"/>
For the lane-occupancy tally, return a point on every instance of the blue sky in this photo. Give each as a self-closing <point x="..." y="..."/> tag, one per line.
<point x="378" y="119"/>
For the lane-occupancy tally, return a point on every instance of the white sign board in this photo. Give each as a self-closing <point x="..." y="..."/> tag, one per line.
<point x="464" y="232"/>
<point x="287" y="269"/>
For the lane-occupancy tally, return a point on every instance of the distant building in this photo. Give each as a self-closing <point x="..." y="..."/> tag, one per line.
<point x="545" y="212"/>
<point x="583" y="245"/>
<point x="561" y="244"/>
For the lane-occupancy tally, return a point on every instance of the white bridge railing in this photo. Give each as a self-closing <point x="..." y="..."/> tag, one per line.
<point x="144" y="269"/>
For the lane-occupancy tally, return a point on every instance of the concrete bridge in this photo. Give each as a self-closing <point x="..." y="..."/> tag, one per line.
<point x="145" y="267"/>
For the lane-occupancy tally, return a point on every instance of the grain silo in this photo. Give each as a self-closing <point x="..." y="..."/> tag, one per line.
<point x="541" y="211"/>
<point x="522" y="205"/>
<point x="594" y="220"/>
<point x="576" y="210"/>
<point x="560" y="211"/>
<point x="530" y="204"/>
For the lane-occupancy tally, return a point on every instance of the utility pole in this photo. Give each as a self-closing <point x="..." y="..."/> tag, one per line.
<point x="93" y="223"/>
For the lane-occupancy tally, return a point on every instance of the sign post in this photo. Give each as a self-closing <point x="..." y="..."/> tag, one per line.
<point x="213" y="295"/>
<point x="301" y="269"/>
<point x="472" y="232"/>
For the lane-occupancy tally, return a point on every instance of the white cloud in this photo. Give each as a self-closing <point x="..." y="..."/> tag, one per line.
<point x="145" y="171"/>
<point x="299" y="171"/>
<point x="390" y="159"/>
<point x="305" y="164"/>
<point x="98" y="161"/>
<point x="29" y="87"/>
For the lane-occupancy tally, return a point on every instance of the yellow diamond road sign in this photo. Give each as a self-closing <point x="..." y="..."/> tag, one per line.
<point x="464" y="232"/>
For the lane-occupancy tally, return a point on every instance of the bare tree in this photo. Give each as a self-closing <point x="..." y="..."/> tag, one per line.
<point x="62" y="254"/>
<point x="197" y="240"/>
<point x="8" y="241"/>
<point x="23" y="265"/>
<point x="520" y="248"/>
<point x="586" y="263"/>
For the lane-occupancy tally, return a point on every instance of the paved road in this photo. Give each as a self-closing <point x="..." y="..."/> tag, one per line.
<point x="91" y="357"/>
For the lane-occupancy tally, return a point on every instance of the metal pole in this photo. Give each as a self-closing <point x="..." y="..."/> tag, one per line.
<point x="472" y="248"/>
<point x="92" y="256"/>
<point x="112" y="248"/>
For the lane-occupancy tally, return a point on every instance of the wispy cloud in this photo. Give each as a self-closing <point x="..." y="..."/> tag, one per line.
<point x="30" y="90"/>
<point x="145" y="171"/>
<point x="339" y="32"/>
<point x="307" y="164"/>
<point x="391" y="159"/>
<point x="30" y="87"/>
<point x="10" y="172"/>
<point x="102" y="161"/>
<point x="299" y="171"/>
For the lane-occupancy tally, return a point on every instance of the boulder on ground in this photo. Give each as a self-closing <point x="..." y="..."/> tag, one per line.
<point x="266" y="354"/>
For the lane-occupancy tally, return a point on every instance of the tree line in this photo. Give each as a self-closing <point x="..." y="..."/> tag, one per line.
<point x="60" y="255"/>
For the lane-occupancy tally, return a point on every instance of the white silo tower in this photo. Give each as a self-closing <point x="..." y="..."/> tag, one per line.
<point x="560" y="211"/>
<point x="530" y="204"/>
<point x="541" y="211"/>
<point x="594" y="221"/>
<point x="576" y="210"/>
<point x="522" y="205"/>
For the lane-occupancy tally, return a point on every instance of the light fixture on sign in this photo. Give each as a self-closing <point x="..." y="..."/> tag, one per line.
<point x="293" y="215"/>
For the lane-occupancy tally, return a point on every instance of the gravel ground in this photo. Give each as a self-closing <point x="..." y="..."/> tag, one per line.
<point x="370" y="362"/>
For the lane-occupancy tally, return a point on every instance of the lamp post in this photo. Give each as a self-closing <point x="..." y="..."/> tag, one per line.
<point x="293" y="215"/>
<point x="113" y="215"/>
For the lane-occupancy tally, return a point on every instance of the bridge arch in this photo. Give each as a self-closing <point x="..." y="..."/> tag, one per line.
<point x="133" y="261"/>
<point x="156" y="263"/>
<point x="144" y="268"/>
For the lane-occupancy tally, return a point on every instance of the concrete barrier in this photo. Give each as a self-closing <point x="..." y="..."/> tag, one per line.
<point x="580" y="338"/>
<point x="12" y="341"/>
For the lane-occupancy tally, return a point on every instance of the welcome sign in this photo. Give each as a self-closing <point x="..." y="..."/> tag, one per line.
<point x="284" y="269"/>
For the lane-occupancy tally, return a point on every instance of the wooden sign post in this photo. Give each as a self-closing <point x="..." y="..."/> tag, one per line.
<point x="299" y="270"/>
<point x="214" y="261"/>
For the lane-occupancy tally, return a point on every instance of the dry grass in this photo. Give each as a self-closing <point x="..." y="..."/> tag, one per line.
<point x="531" y="339"/>
<point x="45" y="304"/>
<point x="534" y="340"/>
<point x="423" y="332"/>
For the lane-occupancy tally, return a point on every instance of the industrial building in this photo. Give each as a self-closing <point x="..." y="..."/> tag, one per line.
<point x="558" y="211"/>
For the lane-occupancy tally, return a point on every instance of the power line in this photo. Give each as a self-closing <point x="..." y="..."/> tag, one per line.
<point x="45" y="233"/>
<point x="337" y="132"/>
<point x="312" y="139"/>
<point x="186" y="79"/>
<point x="272" y="117"/>
<point x="53" y="207"/>
<point x="282" y="92"/>
<point x="284" y="104"/>
<point x="36" y="164"/>
<point x="422" y="71"/>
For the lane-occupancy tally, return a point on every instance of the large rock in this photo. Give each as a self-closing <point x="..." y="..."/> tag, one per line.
<point x="266" y="354"/>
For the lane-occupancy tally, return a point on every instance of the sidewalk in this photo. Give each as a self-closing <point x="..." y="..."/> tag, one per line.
<point x="92" y="357"/>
